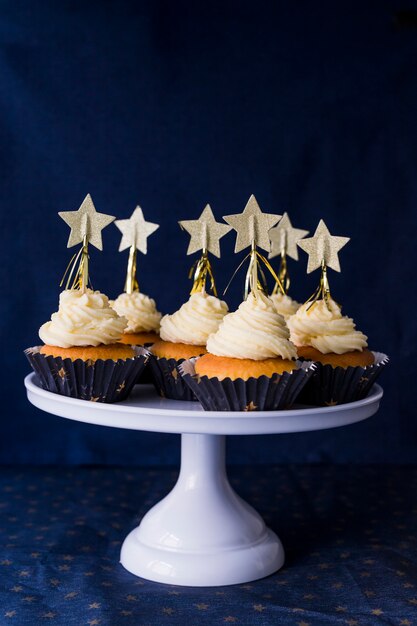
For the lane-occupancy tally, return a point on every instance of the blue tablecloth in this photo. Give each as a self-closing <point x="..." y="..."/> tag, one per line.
<point x="350" y="535"/>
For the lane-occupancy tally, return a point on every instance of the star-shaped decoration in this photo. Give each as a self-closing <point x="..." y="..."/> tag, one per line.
<point x="323" y="248"/>
<point x="86" y="222"/>
<point x="284" y="237"/>
<point x="10" y="614"/>
<point x="135" y="231"/>
<point x="70" y="595"/>
<point x="251" y="406"/>
<point x="259" y="608"/>
<point x="252" y="226"/>
<point x="201" y="606"/>
<point x="377" y="612"/>
<point x="205" y="232"/>
<point x="61" y="373"/>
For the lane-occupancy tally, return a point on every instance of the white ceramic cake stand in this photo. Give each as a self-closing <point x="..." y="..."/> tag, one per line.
<point x="202" y="533"/>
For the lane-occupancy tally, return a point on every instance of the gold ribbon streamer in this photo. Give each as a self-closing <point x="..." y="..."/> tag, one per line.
<point x="199" y="271"/>
<point x="131" y="283"/>
<point x="255" y="279"/>
<point x="284" y="279"/>
<point x="78" y="267"/>
<point x="323" y="290"/>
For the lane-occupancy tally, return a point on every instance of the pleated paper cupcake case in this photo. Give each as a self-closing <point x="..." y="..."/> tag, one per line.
<point x="337" y="385"/>
<point x="98" y="381"/>
<point x="255" y="394"/>
<point x="145" y="376"/>
<point x="167" y="380"/>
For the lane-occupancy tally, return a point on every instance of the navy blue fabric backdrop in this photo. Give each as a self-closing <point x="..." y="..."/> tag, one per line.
<point x="310" y="106"/>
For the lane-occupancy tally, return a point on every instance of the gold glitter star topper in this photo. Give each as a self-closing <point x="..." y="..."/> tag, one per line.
<point x="284" y="239"/>
<point x="135" y="232"/>
<point x="252" y="227"/>
<point x="205" y="235"/>
<point x="86" y="226"/>
<point x="322" y="250"/>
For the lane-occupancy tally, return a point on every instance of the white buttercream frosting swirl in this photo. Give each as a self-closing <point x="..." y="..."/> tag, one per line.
<point x="255" y="331"/>
<point x="285" y="305"/>
<point x="139" y="310"/>
<point x="325" y="328"/>
<point x="83" y="319"/>
<point x="194" y="321"/>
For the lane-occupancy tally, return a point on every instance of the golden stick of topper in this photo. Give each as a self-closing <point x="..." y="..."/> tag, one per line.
<point x="252" y="227"/>
<point x="284" y="239"/>
<point x="322" y="250"/>
<point x="86" y="226"/>
<point x="205" y="236"/>
<point x="135" y="232"/>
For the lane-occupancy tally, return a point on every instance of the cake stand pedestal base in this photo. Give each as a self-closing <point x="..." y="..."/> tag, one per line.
<point x="202" y="533"/>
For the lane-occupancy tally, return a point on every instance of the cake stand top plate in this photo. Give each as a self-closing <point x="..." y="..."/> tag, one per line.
<point x="145" y="410"/>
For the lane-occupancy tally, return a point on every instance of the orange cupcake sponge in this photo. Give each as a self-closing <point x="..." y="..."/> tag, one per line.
<point x="139" y="339"/>
<point x="226" y="367"/>
<point x="178" y="351"/>
<point x="349" y="359"/>
<point x="113" y="351"/>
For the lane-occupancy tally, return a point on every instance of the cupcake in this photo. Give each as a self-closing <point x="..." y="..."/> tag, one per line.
<point x="346" y="367"/>
<point x="250" y="362"/>
<point x="184" y="335"/>
<point x="142" y="318"/>
<point x="284" y="304"/>
<point x="82" y="356"/>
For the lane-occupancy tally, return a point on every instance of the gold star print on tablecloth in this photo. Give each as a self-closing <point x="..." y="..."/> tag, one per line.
<point x="323" y="248"/>
<point x="54" y="520"/>
<point x="205" y="232"/>
<point x="135" y="231"/>
<point x="252" y="226"/>
<point x="284" y="238"/>
<point x="86" y="222"/>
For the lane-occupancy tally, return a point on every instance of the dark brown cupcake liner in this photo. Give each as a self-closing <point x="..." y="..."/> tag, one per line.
<point x="337" y="385"/>
<point x="255" y="394"/>
<point x="98" y="381"/>
<point x="167" y="379"/>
